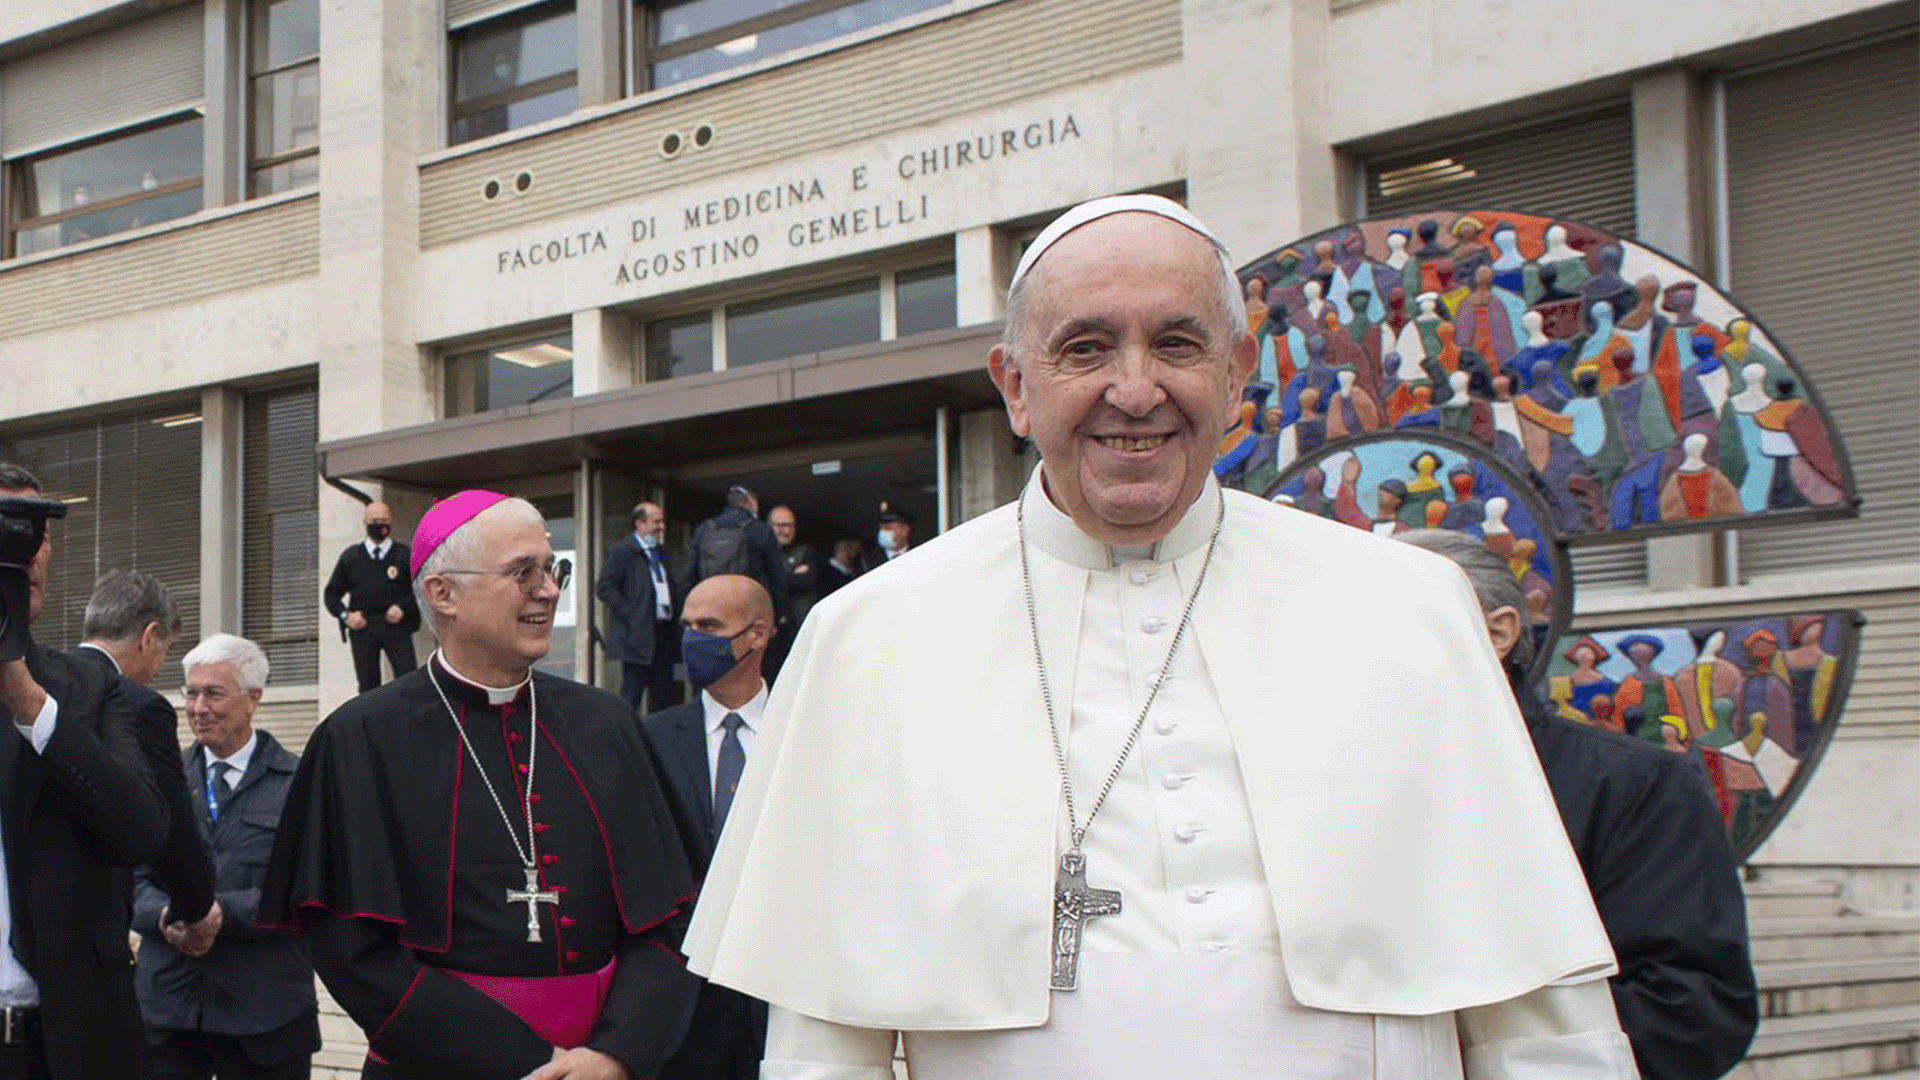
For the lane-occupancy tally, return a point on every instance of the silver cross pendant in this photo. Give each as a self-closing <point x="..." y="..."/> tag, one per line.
<point x="533" y="896"/>
<point x="1073" y="904"/>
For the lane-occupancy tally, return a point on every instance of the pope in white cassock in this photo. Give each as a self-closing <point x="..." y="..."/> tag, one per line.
<point x="1139" y="778"/>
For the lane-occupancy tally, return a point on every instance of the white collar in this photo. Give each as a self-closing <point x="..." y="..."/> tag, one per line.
<point x="750" y="713"/>
<point x="103" y="651"/>
<point x="1053" y="532"/>
<point x="239" y="759"/>
<point x="379" y="550"/>
<point x="496" y="695"/>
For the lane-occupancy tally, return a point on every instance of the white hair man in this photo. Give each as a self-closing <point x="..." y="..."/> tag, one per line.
<point x="482" y="854"/>
<point x="1241" y="853"/>
<point x="240" y="1005"/>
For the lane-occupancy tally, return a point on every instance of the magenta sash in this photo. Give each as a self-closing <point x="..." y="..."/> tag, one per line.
<point x="561" y="1009"/>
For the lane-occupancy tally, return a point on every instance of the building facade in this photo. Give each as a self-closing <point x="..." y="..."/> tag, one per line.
<point x="261" y="254"/>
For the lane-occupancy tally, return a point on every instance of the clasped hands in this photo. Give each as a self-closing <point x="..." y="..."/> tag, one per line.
<point x="357" y="621"/>
<point x="193" y="939"/>
<point x="580" y="1063"/>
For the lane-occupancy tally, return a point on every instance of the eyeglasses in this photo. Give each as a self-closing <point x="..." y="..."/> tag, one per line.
<point x="531" y="575"/>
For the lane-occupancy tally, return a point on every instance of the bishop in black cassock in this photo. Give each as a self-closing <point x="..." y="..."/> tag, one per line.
<point x="395" y="858"/>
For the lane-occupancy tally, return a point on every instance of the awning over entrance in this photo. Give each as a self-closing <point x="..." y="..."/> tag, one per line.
<point x="844" y="394"/>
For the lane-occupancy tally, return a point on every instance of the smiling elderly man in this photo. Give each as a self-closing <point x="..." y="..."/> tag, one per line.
<point x="481" y="852"/>
<point x="1060" y="797"/>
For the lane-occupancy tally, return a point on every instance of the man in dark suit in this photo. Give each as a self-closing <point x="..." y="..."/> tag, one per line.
<point x="240" y="1006"/>
<point x="131" y="621"/>
<point x="76" y="800"/>
<point x="842" y="568"/>
<point x="736" y="541"/>
<point x="702" y="747"/>
<point x="640" y="632"/>
<point x="803" y="583"/>
<point x="371" y="593"/>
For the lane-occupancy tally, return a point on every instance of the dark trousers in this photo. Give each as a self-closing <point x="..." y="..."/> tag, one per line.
<point x="198" y="1055"/>
<point x="24" y="1062"/>
<point x="654" y="680"/>
<point x="367" y="646"/>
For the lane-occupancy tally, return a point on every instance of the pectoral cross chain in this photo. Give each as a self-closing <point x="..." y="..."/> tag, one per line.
<point x="533" y="896"/>
<point x="1074" y="902"/>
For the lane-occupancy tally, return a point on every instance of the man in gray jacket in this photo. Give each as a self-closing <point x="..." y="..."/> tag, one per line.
<point x="239" y="1006"/>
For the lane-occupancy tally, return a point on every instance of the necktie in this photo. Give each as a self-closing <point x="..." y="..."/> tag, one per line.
<point x="662" y="604"/>
<point x="733" y="761"/>
<point x="218" y="789"/>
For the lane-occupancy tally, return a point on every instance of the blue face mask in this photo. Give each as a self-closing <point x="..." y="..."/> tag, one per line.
<point x="885" y="539"/>
<point x="709" y="657"/>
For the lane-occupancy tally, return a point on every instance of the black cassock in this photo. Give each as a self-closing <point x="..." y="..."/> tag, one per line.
<point x="394" y="859"/>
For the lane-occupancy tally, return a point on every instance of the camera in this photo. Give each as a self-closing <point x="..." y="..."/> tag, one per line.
<point x="23" y="528"/>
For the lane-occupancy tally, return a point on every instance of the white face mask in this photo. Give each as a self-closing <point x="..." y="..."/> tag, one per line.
<point x="885" y="539"/>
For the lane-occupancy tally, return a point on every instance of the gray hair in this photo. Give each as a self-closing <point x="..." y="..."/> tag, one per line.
<point x="1230" y="298"/>
<point x="17" y="478"/>
<point x="125" y="603"/>
<point x="248" y="660"/>
<point x="460" y="550"/>
<point x="1492" y="580"/>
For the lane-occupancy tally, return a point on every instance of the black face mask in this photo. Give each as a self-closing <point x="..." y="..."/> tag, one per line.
<point x="378" y="531"/>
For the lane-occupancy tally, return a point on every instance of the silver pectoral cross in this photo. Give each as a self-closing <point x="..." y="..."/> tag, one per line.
<point x="533" y="896"/>
<point x="1073" y="904"/>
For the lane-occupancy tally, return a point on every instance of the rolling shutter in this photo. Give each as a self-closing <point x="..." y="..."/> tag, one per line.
<point x="1578" y="167"/>
<point x="280" y="591"/>
<point x="132" y="485"/>
<point x="108" y="80"/>
<point x="461" y="13"/>
<point x="1821" y="187"/>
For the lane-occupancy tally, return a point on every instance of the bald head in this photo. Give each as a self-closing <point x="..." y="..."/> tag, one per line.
<point x="378" y="519"/>
<point x="734" y="600"/>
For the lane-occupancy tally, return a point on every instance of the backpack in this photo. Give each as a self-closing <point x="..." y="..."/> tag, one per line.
<point x="723" y="550"/>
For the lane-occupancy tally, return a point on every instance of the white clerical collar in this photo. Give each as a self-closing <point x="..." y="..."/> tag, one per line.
<point x="496" y="695"/>
<point x="750" y="713"/>
<point x="1052" y="531"/>
<point x="239" y="759"/>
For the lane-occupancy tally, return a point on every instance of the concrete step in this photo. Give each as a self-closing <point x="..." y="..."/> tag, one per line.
<point x="1811" y="937"/>
<point x="1769" y="899"/>
<point x="1799" y="987"/>
<point x="1834" y="1045"/>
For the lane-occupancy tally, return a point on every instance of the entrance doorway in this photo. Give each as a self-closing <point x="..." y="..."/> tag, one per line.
<point x="833" y="496"/>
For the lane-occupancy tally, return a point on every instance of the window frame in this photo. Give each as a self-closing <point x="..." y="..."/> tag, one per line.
<point x="643" y="15"/>
<point x="479" y="351"/>
<point x="20" y="186"/>
<point x="458" y="110"/>
<point x="257" y="162"/>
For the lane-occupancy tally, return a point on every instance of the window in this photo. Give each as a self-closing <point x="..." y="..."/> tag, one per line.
<point x="132" y="489"/>
<point x="513" y="71"/>
<point x="520" y="373"/>
<point x="924" y="300"/>
<point x="109" y="185"/>
<point x="690" y="38"/>
<point x="284" y="95"/>
<point x="802" y="323"/>
<point x="280" y="532"/>
<point x="677" y="347"/>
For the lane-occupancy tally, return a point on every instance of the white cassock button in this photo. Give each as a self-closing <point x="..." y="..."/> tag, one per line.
<point x="1164" y="727"/>
<point x="1153" y="678"/>
<point x="1185" y="834"/>
<point x="1198" y="895"/>
<point x="1214" y="946"/>
<point x="1172" y="781"/>
<point x="1153" y="624"/>
<point x="1138" y="577"/>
